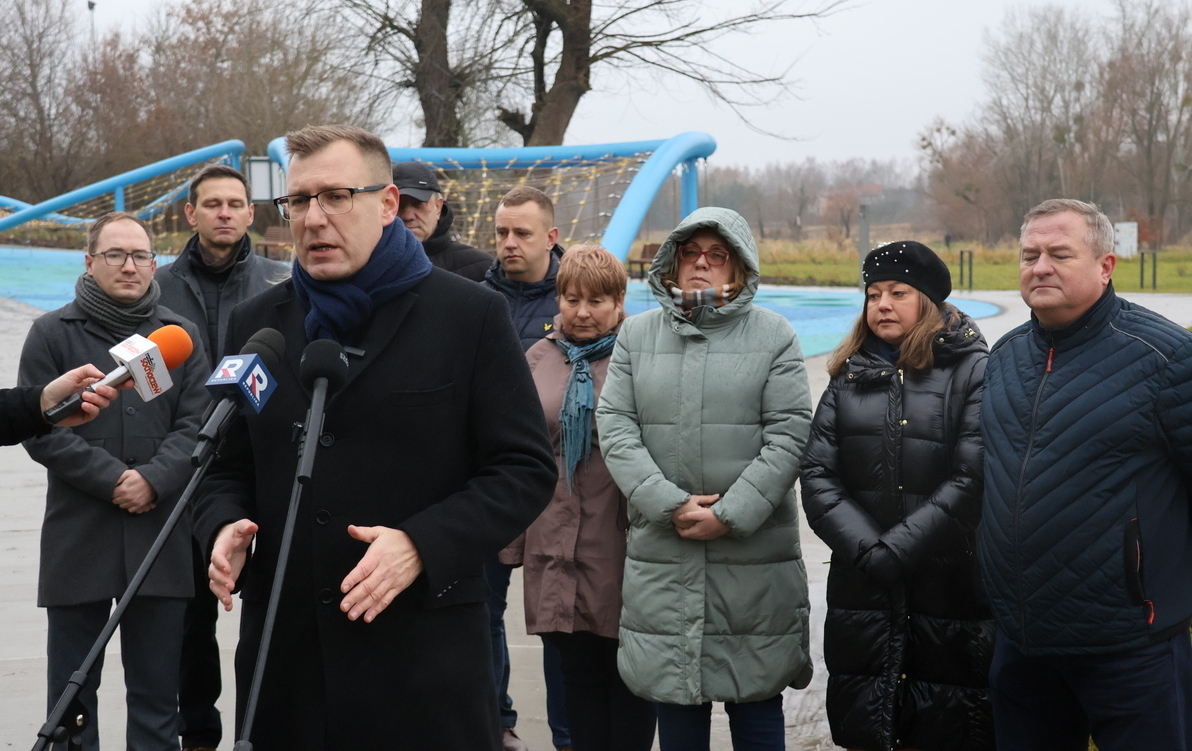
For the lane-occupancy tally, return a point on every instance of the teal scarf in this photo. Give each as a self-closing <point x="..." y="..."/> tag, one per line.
<point x="579" y="399"/>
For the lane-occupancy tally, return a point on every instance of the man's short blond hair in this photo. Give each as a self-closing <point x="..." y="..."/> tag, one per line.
<point x="315" y="138"/>
<point x="1099" y="234"/>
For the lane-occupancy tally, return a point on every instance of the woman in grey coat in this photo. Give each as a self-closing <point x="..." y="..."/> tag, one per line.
<point x="702" y="422"/>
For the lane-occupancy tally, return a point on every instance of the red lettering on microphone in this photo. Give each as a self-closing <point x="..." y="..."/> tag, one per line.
<point x="148" y="365"/>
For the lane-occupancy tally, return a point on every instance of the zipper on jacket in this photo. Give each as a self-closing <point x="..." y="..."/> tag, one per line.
<point x="1030" y="444"/>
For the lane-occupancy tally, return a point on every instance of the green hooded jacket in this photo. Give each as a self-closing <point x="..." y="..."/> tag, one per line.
<point x="717" y="403"/>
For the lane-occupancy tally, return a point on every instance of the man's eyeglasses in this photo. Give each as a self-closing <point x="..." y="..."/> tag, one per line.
<point x="691" y="254"/>
<point x="331" y="201"/>
<point x="119" y="257"/>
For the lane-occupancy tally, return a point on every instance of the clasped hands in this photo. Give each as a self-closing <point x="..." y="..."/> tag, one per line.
<point x="390" y="564"/>
<point x="695" y="519"/>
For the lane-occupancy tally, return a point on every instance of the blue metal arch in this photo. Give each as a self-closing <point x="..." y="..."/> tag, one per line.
<point x="115" y="185"/>
<point x="682" y="151"/>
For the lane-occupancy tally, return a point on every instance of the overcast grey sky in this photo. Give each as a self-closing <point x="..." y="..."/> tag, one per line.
<point x="872" y="77"/>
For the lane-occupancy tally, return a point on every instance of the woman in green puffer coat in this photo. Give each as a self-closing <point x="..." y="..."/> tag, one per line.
<point x="702" y="422"/>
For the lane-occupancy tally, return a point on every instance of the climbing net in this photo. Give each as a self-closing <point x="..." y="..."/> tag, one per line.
<point x="585" y="192"/>
<point x="156" y="200"/>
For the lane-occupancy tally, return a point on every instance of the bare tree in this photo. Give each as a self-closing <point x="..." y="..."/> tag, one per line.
<point x="530" y="62"/>
<point x="452" y="56"/>
<point x="1150" y="74"/>
<point x="653" y="35"/>
<point x="38" y="117"/>
<point x="252" y="70"/>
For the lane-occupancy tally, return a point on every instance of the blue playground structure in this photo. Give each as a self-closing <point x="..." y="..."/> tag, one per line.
<point x="228" y="152"/>
<point x="660" y="159"/>
<point x="653" y="163"/>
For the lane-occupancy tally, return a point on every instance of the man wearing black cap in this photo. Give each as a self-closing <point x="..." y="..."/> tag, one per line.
<point x="425" y="213"/>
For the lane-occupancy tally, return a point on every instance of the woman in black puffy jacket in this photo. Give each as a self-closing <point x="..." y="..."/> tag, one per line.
<point x="891" y="480"/>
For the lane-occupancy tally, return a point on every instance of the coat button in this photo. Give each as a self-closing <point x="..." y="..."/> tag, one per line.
<point x="323" y="516"/>
<point x="130" y="462"/>
<point x="326" y="596"/>
<point x="130" y="410"/>
<point x="326" y="439"/>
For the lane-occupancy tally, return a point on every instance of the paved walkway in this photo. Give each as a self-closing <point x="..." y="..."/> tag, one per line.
<point x="22" y="624"/>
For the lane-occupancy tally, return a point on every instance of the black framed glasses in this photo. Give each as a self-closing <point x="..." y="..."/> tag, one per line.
<point x="140" y="258"/>
<point x="691" y="254"/>
<point x="331" y="201"/>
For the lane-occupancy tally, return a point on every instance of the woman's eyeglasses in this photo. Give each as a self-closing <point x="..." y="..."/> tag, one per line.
<point x="691" y="254"/>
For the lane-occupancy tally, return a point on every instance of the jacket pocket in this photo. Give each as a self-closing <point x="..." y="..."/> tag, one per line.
<point x="1132" y="556"/>
<point x="423" y="398"/>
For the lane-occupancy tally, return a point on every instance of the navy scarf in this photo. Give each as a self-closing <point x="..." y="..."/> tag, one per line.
<point x="575" y="417"/>
<point x="336" y="310"/>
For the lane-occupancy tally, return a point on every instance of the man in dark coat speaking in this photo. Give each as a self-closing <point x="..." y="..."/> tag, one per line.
<point x="434" y="455"/>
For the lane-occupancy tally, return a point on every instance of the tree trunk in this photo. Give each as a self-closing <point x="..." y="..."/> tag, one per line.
<point x="554" y="107"/>
<point x="438" y="91"/>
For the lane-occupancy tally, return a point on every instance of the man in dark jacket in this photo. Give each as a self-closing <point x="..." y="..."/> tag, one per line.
<point x="22" y="410"/>
<point x="1085" y="544"/>
<point x="527" y="261"/>
<point x="112" y="484"/>
<point x="216" y="271"/>
<point x="434" y="455"/>
<point x="425" y="212"/>
<point x="524" y="272"/>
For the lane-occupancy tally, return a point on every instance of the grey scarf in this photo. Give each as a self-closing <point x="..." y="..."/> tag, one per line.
<point x="118" y="318"/>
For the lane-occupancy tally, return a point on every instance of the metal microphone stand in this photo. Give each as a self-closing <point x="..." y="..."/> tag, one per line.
<point x="69" y="718"/>
<point x="312" y="429"/>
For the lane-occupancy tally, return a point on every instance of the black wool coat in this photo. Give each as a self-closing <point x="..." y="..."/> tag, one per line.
<point x="438" y="432"/>
<point x="452" y="255"/>
<point x="891" y="480"/>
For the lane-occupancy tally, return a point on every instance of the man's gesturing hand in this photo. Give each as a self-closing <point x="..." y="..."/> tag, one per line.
<point x="389" y="566"/>
<point x="227" y="558"/>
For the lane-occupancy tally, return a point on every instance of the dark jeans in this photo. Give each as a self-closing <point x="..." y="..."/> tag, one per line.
<point x="150" y="644"/>
<point x="754" y="726"/>
<point x="1140" y="699"/>
<point x="498" y="574"/>
<point x="602" y="714"/>
<point x="200" y="681"/>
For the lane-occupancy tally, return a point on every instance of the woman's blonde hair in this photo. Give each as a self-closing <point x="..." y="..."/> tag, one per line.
<point x="593" y="268"/>
<point x="916" y="352"/>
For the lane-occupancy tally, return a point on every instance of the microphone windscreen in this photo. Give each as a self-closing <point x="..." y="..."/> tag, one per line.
<point x="174" y="343"/>
<point x="267" y="344"/>
<point x="324" y="358"/>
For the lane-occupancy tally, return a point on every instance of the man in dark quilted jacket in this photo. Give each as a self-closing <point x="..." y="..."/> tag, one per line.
<point x="1085" y="543"/>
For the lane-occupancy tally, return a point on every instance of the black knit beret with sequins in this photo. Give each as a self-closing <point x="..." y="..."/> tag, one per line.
<point x="911" y="263"/>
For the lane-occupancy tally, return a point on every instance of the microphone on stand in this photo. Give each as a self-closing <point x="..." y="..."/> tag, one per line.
<point x="146" y="360"/>
<point x="324" y="371"/>
<point x="244" y="379"/>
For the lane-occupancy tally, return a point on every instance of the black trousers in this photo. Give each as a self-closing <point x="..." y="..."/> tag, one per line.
<point x="200" y="680"/>
<point x="602" y="713"/>
<point x="150" y="641"/>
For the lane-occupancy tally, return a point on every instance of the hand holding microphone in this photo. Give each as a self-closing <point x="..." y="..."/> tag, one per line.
<point x="146" y="361"/>
<point x="76" y="381"/>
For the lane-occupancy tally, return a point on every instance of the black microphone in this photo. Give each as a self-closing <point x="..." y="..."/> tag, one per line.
<point x="244" y="380"/>
<point x="324" y="359"/>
